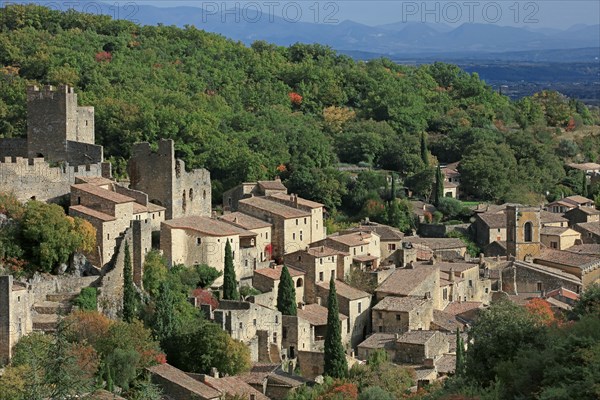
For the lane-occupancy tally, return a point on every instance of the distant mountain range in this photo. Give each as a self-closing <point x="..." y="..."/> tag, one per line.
<point x="394" y="40"/>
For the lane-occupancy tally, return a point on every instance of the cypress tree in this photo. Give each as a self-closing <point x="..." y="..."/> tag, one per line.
<point x="164" y="315"/>
<point x="230" y="291"/>
<point x="460" y="354"/>
<point x="393" y="190"/>
<point x="286" y="293"/>
<point x="129" y="292"/>
<point x="424" y="150"/>
<point x="336" y="365"/>
<point x="584" y="188"/>
<point x="439" y="186"/>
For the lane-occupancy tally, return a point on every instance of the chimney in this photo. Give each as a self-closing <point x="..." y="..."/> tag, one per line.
<point x="318" y="300"/>
<point x="291" y="197"/>
<point x="214" y="372"/>
<point x="235" y="220"/>
<point x="432" y="260"/>
<point x="481" y="260"/>
<point x="302" y="306"/>
<point x="411" y="265"/>
<point x="296" y="200"/>
<point x="451" y="274"/>
<point x="277" y="178"/>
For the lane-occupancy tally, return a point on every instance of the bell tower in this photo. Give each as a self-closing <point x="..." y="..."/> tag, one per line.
<point x="523" y="227"/>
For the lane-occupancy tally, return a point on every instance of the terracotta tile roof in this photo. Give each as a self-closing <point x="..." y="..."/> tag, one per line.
<point x="446" y="364"/>
<point x="207" y="226"/>
<point x="400" y="304"/>
<point x="403" y="282"/>
<point x="364" y="258"/>
<point x="272" y="185"/>
<point x="94" y="180"/>
<point x="258" y="373"/>
<point x="547" y="217"/>
<point x="244" y="221"/>
<point x="457" y="308"/>
<point x="578" y="200"/>
<point x="569" y="294"/>
<point x="566" y="258"/>
<point x="181" y="379"/>
<point x="324" y="251"/>
<point x="301" y="201"/>
<point x="203" y="296"/>
<point x="287" y="379"/>
<point x="379" y="341"/>
<point x="155" y="207"/>
<point x="549" y="270"/>
<point x="346" y="291"/>
<point x="138" y="208"/>
<point x="450" y="185"/>
<point x="352" y="239"/>
<point x="385" y="232"/>
<point x="438" y="243"/>
<point x="558" y="231"/>
<point x="275" y="273"/>
<point x="92" y="213"/>
<point x="446" y="321"/>
<point x="493" y="220"/>
<point x="264" y="204"/>
<point x="420" y="207"/>
<point x="234" y="386"/>
<point x="103" y="193"/>
<point x="590" y="249"/>
<point x="315" y="314"/>
<point x="447" y="266"/>
<point x="416" y="337"/>
<point x="593" y="227"/>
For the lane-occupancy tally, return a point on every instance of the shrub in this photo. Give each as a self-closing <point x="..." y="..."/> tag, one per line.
<point x="87" y="299"/>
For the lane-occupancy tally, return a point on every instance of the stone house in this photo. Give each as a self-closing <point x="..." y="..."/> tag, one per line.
<point x="401" y="314"/>
<point x="319" y="265"/>
<point x="421" y="210"/>
<point x="490" y="227"/>
<point x="523" y="232"/>
<point x="376" y="341"/>
<point x="257" y="326"/>
<point x="462" y="281"/>
<point x="582" y="215"/>
<point x="451" y="180"/>
<point x="317" y="228"/>
<point x="390" y="241"/>
<point x="353" y="303"/>
<point x="297" y="335"/>
<point x="179" y="385"/>
<point x="15" y="315"/>
<point x="273" y="380"/>
<point x="559" y="238"/>
<point x="590" y="232"/>
<point x="412" y="281"/>
<point x="201" y="240"/>
<point x="166" y="181"/>
<point x="292" y="226"/>
<point x="584" y="266"/>
<point x="267" y="281"/>
<point x="314" y="318"/>
<point x="415" y="347"/>
<point x="536" y="279"/>
<point x="232" y="386"/>
<point x="568" y="203"/>
<point x="442" y="248"/>
<point x="232" y="196"/>
<point x="363" y="247"/>
<point x="264" y="235"/>
<point x="111" y="209"/>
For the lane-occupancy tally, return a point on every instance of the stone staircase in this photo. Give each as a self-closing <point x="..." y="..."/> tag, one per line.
<point x="47" y="313"/>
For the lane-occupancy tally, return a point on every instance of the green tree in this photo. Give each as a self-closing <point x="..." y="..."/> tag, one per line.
<point x="438" y="193"/>
<point x="336" y="364"/>
<point x="460" y="356"/>
<point x="375" y="393"/>
<point x="87" y="299"/>
<point x="584" y="185"/>
<point x="588" y="303"/>
<point x="230" y="291"/>
<point x="424" y="150"/>
<point x="286" y="293"/>
<point x="130" y="296"/>
<point x="155" y="272"/>
<point x="165" y="323"/>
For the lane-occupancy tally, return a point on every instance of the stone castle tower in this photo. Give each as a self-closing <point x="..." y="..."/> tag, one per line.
<point x="167" y="183"/>
<point x="57" y="126"/>
<point x="523" y="232"/>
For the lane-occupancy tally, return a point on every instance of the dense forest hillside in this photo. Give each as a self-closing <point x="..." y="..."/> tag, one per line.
<point x="248" y="113"/>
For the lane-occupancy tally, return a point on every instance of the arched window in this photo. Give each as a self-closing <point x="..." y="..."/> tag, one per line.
<point x="204" y="195"/>
<point x="184" y="202"/>
<point x="191" y="195"/>
<point x="299" y="282"/>
<point x="528" y="232"/>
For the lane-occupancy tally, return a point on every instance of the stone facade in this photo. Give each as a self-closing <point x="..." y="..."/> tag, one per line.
<point x="245" y="321"/>
<point x="582" y="215"/>
<point x="417" y="346"/>
<point x="559" y="238"/>
<point x="533" y="279"/>
<point x="402" y="314"/>
<point x="523" y="232"/>
<point x="15" y="315"/>
<point x="267" y="281"/>
<point x="296" y="336"/>
<point x="232" y="196"/>
<point x="167" y="183"/>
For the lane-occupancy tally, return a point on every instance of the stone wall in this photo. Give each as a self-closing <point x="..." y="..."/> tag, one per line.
<point x="440" y="231"/>
<point x="15" y="315"/>
<point x="311" y="363"/>
<point x="35" y="178"/>
<point x="166" y="181"/>
<point x="13" y="147"/>
<point x="523" y="278"/>
<point x="79" y="153"/>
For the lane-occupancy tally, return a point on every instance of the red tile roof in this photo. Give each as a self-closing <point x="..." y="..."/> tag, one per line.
<point x="457" y="308"/>
<point x="92" y="213"/>
<point x="493" y="220"/>
<point x="272" y="185"/>
<point x="352" y="239"/>
<point x="379" y="341"/>
<point x="103" y="193"/>
<point x="403" y="282"/>
<point x="275" y="273"/>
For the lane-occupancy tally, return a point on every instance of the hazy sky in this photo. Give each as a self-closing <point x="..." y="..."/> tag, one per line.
<point x="536" y="14"/>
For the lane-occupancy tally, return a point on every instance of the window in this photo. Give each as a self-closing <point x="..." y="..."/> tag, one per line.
<point x="554" y="245"/>
<point x="498" y="229"/>
<point x="254" y="321"/>
<point x="359" y="307"/>
<point x="397" y="317"/>
<point x="78" y="200"/>
<point x="198" y="241"/>
<point x="296" y="221"/>
<point x="299" y="282"/>
<point x="300" y="235"/>
<point x="266" y="235"/>
<point x="246" y="263"/>
<point x="191" y="195"/>
<point x="293" y="236"/>
<point x="320" y="276"/>
<point x="380" y="315"/>
<point x="528" y="232"/>
<point x="284" y="332"/>
<point x="299" y="258"/>
<point x="354" y="250"/>
<point x="540" y="286"/>
<point x="241" y="325"/>
<point x="304" y="221"/>
<point x="391" y="246"/>
<point x="274" y="337"/>
<point x="445" y="294"/>
<point x="321" y="261"/>
<point x="277" y="319"/>
<point x="361" y="249"/>
<point x="108" y="236"/>
<point x="332" y="274"/>
<point x="487" y="290"/>
<point x="233" y="255"/>
<point x="380" y="329"/>
<point x="470" y="283"/>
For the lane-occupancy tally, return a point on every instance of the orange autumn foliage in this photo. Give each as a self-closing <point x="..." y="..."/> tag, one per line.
<point x="340" y="390"/>
<point x="541" y="311"/>
<point x="295" y="98"/>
